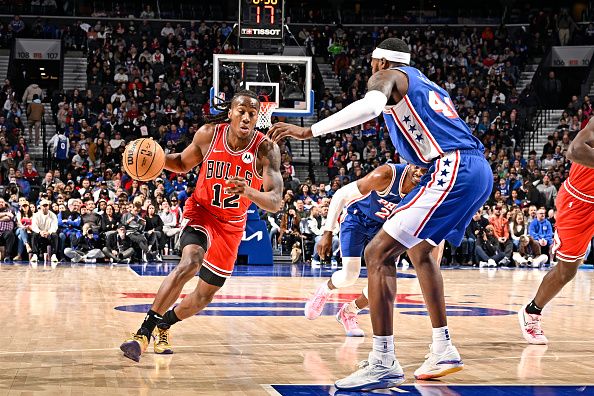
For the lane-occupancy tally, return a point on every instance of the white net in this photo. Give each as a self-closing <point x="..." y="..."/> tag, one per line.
<point x="265" y="115"/>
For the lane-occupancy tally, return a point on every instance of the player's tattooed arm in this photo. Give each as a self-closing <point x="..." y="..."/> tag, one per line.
<point x="193" y="154"/>
<point x="581" y="149"/>
<point x="270" y="199"/>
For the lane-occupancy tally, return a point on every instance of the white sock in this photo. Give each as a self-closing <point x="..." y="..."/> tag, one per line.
<point x="441" y="339"/>
<point x="352" y="308"/>
<point x="383" y="351"/>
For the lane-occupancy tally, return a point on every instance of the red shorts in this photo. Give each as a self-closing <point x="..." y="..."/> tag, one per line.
<point x="574" y="228"/>
<point x="222" y="239"/>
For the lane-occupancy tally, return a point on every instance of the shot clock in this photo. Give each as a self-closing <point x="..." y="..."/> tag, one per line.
<point x="261" y="24"/>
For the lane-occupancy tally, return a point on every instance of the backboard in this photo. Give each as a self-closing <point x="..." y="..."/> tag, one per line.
<point x="285" y="80"/>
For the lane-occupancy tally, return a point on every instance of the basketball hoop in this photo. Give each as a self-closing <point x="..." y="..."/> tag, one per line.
<point x="265" y="115"/>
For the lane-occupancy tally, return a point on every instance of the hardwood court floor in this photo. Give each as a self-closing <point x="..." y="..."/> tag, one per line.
<point x="61" y="332"/>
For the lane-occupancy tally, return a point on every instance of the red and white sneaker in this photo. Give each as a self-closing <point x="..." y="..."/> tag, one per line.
<point x="531" y="327"/>
<point x="349" y="321"/>
<point x="315" y="305"/>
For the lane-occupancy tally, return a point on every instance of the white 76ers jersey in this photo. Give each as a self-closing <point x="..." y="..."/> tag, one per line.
<point x="424" y="124"/>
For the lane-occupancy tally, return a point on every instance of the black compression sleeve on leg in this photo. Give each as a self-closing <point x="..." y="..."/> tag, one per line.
<point x="151" y="320"/>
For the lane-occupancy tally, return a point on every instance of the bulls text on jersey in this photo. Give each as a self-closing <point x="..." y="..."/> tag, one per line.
<point x="221" y="170"/>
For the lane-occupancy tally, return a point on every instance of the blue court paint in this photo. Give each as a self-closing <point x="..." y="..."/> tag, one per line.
<point x="446" y="390"/>
<point x="271" y="308"/>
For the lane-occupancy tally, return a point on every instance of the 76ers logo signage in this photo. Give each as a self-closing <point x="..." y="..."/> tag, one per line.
<point x="247" y="158"/>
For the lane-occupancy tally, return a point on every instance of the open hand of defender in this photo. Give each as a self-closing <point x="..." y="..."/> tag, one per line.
<point x="281" y="130"/>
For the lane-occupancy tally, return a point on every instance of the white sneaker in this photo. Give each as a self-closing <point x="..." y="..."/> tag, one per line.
<point x="436" y="366"/>
<point x="315" y="263"/>
<point x="33" y="259"/>
<point x="531" y="326"/>
<point x="372" y="376"/>
<point x="483" y="264"/>
<point x="405" y="264"/>
<point x="54" y="259"/>
<point x="491" y="263"/>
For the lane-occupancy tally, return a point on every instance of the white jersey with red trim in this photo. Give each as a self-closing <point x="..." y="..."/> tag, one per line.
<point x="424" y="125"/>
<point x="220" y="163"/>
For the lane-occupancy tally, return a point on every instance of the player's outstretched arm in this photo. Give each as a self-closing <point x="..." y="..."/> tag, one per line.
<point x="271" y="198"/>
<point x="193" y="154"/>
<point x="379" y="180"/>
<point x="581" y="149"/>
<point x="380" y="87"/>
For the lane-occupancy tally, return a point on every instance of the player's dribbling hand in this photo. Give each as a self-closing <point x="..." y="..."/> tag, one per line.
<point x="281" y="130"/>
<point x="237" y="185"/>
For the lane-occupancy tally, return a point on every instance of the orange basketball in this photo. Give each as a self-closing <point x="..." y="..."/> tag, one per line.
<point x="143" y="159"/>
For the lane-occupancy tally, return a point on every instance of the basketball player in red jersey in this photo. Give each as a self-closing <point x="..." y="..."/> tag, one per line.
<point x="236" y="161"/>
<point x="574" y="231"/>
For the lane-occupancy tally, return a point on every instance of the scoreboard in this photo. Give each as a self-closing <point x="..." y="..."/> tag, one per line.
<point x="261" y="25"/>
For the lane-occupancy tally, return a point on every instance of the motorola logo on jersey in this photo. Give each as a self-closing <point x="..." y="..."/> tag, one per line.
<point x="247" y="158"/>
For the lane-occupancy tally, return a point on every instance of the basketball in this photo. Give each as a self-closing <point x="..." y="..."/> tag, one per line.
<point x="143" y="159"/>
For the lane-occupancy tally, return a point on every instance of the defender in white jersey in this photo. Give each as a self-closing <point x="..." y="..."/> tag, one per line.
<point x="426" y="131"/>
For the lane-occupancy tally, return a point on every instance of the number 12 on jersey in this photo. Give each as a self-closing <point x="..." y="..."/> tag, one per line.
<point x="231" y="201"/>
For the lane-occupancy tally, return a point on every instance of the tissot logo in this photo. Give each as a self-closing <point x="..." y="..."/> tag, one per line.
<point x="260" y="32"/>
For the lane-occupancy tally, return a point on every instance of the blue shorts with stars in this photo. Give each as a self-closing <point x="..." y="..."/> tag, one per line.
<point x="442" y="205"/>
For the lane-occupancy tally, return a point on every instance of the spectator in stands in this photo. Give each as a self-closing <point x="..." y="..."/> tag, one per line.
<point x="32" y="91"/>
<point x="7" y="235"/>
<point x="541" y="231"/>
<point x="548" y="190"/>
<point x="529" y="253"/>
<point x="501" y="232"/>
<point x="23" y="231"/>
<point x="487" y="249"/>
<point x="170" y="223"/>
<point x="35" y="113"/>
<point x="135" y="225"/>
<point x="153" y="232"/>
<point x="517" y="228"/>
<point x="119" y="247"/>
<point x="86" y="247"/>
<point x="109" y="221"/>
<point x="44" y="225"/>
<point x="289" y="229"/>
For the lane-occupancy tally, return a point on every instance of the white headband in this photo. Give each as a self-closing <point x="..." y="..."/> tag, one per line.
<point x="392" y="56"/>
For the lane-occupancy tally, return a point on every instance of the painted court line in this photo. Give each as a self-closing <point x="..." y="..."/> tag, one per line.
<point x="308" y="343"/>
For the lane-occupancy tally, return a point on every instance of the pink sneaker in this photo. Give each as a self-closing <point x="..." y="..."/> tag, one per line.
<point x="315" y="305"/>
<point x="349" y="321"/>
<point x="531" y="327"/>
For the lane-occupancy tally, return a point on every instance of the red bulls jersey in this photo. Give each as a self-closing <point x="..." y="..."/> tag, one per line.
<point x="220" y="163"/>
<point x="580" y="182"/>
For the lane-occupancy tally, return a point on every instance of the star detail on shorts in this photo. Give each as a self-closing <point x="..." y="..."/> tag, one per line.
<point x="441" y="182"/>
<point x="444" y="172"/>
<point x="412" y="128"/>
<point x="447" y="162"/>
<point x="419" y="137"/>
<point x="406" y="119"/>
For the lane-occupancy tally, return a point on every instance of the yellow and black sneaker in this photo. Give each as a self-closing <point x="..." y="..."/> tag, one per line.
<point x="134" y="346"/>
<point x="161" y="343"/>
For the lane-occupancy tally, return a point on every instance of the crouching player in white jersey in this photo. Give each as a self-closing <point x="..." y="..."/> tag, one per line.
<point x="369" y="202"/>
<point x="426" y="131"/>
